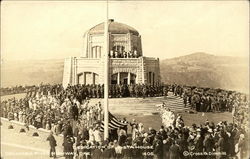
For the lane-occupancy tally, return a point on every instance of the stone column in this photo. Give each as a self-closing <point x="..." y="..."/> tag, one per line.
<point x="71" y="71"/>
<point x="98" y="52"/>
<point x="129" y="77"/>
<point x="91" y="52"/>
<point x="120" y="48"/>
<point x="101" y="52"/>
<point x="129" y="42"/>
<point x="118" y="78"/>
<point x="151" y="78"/>
<point x="84" y="78"/>
<point x="143" y="71"/>
<point x="93" y="78"/>
<point x="75" y="71"/>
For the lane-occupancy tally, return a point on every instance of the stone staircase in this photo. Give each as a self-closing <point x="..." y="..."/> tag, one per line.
<point x="140" y="106"/>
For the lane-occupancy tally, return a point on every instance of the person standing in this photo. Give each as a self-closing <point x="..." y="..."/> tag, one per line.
<point x="185" y="98"/>
<point x="208" y="143"/>
<point x="166" y="147"/>
<point x="158" y="147"/>
<point x="121" y="137"/>
<point x="52" y="143"/>
<point x="68" y="147"/>
<point x="220" y="147"/>
<point x="97" y="135"/>
<point x="133" y="125"/>
<point x="67" y="129"/>
<point x="75" y="112"/>
<point x="174" y="151"/>
<point x="91" y="135"/>
<point x="242" y="147"/>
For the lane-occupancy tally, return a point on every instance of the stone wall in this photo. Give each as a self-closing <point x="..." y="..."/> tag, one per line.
<point x="132" y="65"/>
<point x="129" y="41"/>
<point x="152" y="65"/>
<point x="74" y="68"/>
<point x="67" y="72"/>
<point x="43" y="134"/>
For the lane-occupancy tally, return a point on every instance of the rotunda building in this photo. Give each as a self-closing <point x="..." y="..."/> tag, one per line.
<point x="127" y="65"/>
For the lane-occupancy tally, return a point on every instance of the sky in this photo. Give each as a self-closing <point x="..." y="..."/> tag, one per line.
<point x="54" y="29"/>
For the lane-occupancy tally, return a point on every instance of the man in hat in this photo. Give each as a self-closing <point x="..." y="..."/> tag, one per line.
<point x="109" y="151"/>
<point x="151" y="135"/>
<point x="67" y="129"/>
<point x="80" y="149"/>
<point x="242" y="146"/>
<point x="166" y="146"/>
<point x="208" y="142"/>
<point x="198" y="141"/>
<point x="68" y="147"/>
<point x="157" y="145"/>
<point x="220" y="146"/>
<point x="174" y="151"/>
<point x="52" y="144"/>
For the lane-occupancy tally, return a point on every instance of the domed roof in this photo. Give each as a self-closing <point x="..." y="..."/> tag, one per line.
<point x="114" y="28"/>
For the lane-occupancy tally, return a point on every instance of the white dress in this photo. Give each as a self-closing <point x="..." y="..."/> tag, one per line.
<point x="91" y="135"/>
<point x="97" y="136"/>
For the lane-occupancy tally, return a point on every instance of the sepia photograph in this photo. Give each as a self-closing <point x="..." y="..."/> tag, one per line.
<point x="124" y="79"/>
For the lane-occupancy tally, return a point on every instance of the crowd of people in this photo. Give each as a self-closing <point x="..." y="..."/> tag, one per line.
<point x="14" y="90"/>
<point x="123" y="54"/>
<point x="167" y="116"/>
<point x="92" y="90"/>
<point x="207" y="99"/>
<point x="174" y="140"/>
<point x="215" y="100"/>
<point x="222" y="140"/>
<point x="51" y="112"/>
<point x="68" y="112"/>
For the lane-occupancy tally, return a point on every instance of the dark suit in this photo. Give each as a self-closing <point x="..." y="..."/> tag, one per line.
<point x="174" y="152"/>
<point x="108" y="153"/>
<point x="127" y="153"/>
<point x="165" y="152"/>
<point x="158" y="149"/>
<point x="68" y="148"/>
<point x="52" y="143"/>
<point x="96" y="154"/>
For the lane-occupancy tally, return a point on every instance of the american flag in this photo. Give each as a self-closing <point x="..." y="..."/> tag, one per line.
<point x="114" y="123"/>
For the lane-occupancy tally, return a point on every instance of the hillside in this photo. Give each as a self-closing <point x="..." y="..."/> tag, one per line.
<point x="207" y="70"/>
<point x="31" y="72"/>
<point x="198" y="69"/>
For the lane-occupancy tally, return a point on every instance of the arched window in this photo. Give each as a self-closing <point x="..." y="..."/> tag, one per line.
<point x="118" y="51"/>
<point x="96" y="52"/>
<point x="135" y="48"/>
<point x="123" y="78"/>
<point x="87" y="78"/>
<point x="118" y="48"/>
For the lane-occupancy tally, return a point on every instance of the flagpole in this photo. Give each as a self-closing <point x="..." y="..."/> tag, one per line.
<point x="106" y="74"/>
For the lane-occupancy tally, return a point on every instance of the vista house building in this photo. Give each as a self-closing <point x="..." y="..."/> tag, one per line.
<point x="127" y="65"/>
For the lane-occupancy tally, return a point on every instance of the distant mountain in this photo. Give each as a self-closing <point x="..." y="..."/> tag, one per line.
<point x="197" y="69"/>
<point x="31" y="72"/>
<point x="206" y="70"/>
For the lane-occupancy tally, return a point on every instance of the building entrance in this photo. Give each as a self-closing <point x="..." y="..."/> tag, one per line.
<point x="125" y="81"/>
<point x="123" y="78"/>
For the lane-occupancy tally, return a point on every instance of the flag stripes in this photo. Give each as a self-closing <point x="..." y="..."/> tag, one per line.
<point x="114" y="123"/>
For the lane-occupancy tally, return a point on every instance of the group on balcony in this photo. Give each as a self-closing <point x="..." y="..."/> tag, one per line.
<point x="123" y="54"/>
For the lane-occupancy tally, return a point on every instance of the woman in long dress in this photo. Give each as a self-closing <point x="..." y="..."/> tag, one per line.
<point x="91" y="135"/>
